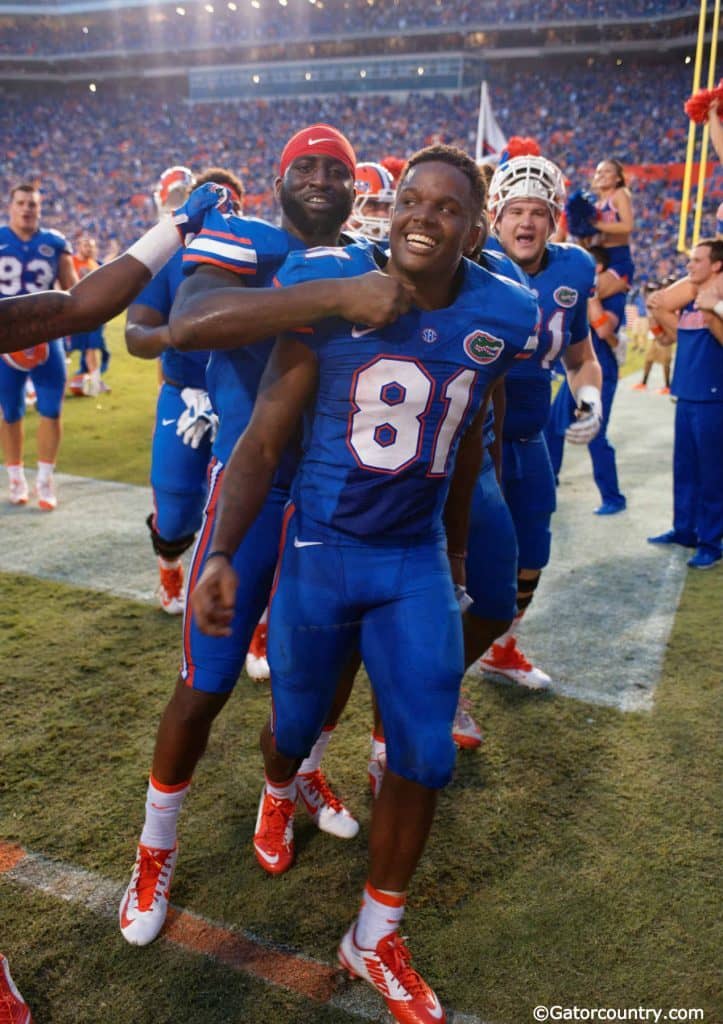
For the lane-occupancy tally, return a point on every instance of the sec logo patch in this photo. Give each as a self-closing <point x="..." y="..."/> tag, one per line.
<point x="483" y="348"/>
<point x="429" y="335"/>
<point x="564" y="296"/>
<point x="45" y="250"/>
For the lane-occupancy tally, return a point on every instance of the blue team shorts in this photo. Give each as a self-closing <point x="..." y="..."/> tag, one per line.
<point x="528" y="483"/>
<point x="213" y="664"/>
<point x="394" y="604"/>
<point x="48" y="380"/>
<point x="621" y="261"/>
<point x="178" y="472"/>
<point x="491" y="550"/>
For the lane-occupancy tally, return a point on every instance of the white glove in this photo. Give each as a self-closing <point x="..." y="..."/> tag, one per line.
<point x="197" y="419"/>
<point x="589" y="409"/>
<point x="463" y="599"/>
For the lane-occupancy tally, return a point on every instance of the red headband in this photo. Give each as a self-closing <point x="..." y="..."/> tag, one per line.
<point x="321" y="140"/>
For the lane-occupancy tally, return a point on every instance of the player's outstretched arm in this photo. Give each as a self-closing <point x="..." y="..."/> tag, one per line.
<point x="286" y="387"/>
<point x="27" y="320"/>
<point x="211" y="311"/>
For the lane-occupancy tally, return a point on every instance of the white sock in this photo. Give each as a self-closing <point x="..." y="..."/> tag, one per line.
<point x="380" y="914"/>
<point x="45" y="471"/>
<point x="312" y="762"/>
<point x="16" y="473"/>
<point x="163" y="805"/>
<point x="378" y="751"/>
<point x="166" y="563"/>
<point x="282" y="790"/>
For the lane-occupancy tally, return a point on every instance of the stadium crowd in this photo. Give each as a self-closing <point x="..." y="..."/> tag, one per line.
<point x="156" y="29"/>
<point x="101" y="181"/>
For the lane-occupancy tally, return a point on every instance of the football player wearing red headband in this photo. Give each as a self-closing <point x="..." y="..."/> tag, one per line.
<point x="227" y="301"/>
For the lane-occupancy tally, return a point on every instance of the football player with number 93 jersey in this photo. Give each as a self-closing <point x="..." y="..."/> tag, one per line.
<point x="32" y="260"/>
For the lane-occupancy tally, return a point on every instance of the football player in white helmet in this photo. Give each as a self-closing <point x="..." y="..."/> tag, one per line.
<point x="174" y="187"/>
<point x="527" y="196"/>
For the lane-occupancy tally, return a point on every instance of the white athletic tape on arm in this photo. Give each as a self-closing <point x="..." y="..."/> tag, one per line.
<point x="155" y="248"/>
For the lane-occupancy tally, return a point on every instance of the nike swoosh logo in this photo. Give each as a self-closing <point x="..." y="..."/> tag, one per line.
<point x="306" y="543"/>
<point x="359" y="332"/>
<point x="167" y="423"/>
<point x="435" y="1010"/>
<point x="313" y="142"/>
<point x="124" y="919"/>
<point x="270" y="858"/>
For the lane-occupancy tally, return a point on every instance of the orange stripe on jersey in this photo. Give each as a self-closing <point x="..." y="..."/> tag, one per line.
<point x="207" y="232"/>
<point x="190" y="258"/>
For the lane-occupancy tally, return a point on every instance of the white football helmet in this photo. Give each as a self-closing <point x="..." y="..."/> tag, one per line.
<point x="527" y="177"/>
<point x="174" y="187"/>
<point x="373" y="204"/>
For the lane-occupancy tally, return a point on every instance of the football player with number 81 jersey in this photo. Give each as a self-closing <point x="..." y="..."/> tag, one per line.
<point x="379" y="515"/>
<point x="32" y="260"/>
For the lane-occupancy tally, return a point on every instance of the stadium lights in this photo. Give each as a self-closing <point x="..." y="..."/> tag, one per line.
<point x="619" y="61"/>
<point x="181" y="11"/>
<point x="232" y="6"/>
<point x="84" y="30"/>
<point x="420" y="70"/>
<point x="283" y="3"/>
<point x="687" y="59"/>
<point x="362" y="73"/>
<point x="307" y="76"/>
<point x="92" y="87"/>
<point x="209" y="8"/>
<point x="256" y="79"/>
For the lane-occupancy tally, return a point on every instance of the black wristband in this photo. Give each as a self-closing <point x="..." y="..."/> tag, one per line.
<point x="218" y="554"/>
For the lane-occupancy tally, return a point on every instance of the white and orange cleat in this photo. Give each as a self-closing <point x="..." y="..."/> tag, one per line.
<point x="388" y="969"/>
<point x="274" y="833"/>
<point x="13" y="1008"/>
<point x="45" y="491"/>
<point x="326" y="809"/>
<point x="465" y="731"/>
<point x="508" y="660"/>
<point x="171" y="594"/>
<point x="144" y="905"/>
<point x="19" y="492"/>
<point x="257" y="665"/>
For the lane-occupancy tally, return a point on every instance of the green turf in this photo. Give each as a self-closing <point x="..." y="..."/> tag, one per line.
<point x="574" y="859"/>
<point x="108" y="437"/>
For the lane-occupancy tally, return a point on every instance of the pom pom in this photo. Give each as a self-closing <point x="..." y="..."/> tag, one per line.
<point x="698" y="105"/>
<point x="581" y="213"/>
<point x="394" y="165"/>
<point x="519" y="145"/>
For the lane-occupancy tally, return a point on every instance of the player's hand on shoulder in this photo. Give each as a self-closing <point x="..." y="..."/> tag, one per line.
<point x="588" y="416"/>
<point x="189" y="217"/>
<point x="213" y="599"/>
<point x="374" y="299"/>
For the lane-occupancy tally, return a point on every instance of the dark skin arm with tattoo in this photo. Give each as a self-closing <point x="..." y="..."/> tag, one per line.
<point x="27" y="320"/>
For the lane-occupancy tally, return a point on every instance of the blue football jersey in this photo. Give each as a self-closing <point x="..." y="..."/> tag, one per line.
<point x="254" y="250"/>
<point x="698" y="370"/>
<point x="187" y="369"/>
<point x="30" y="266"/>
<point x="563" y="286"/>
<point x="393" y="403"/>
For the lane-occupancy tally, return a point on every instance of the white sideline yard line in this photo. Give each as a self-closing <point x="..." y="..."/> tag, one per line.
<point x="321" y="983"/>
<point x="598" y="624"/>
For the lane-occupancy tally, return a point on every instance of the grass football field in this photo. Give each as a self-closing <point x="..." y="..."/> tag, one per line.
<point x="575" y="860"/>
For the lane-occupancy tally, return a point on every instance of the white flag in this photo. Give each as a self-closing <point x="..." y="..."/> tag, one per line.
<point x="491" y="139"/>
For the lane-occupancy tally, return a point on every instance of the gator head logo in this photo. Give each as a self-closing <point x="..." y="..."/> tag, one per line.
<point x="483" y="348"/>
<point x="564" y="296"/>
